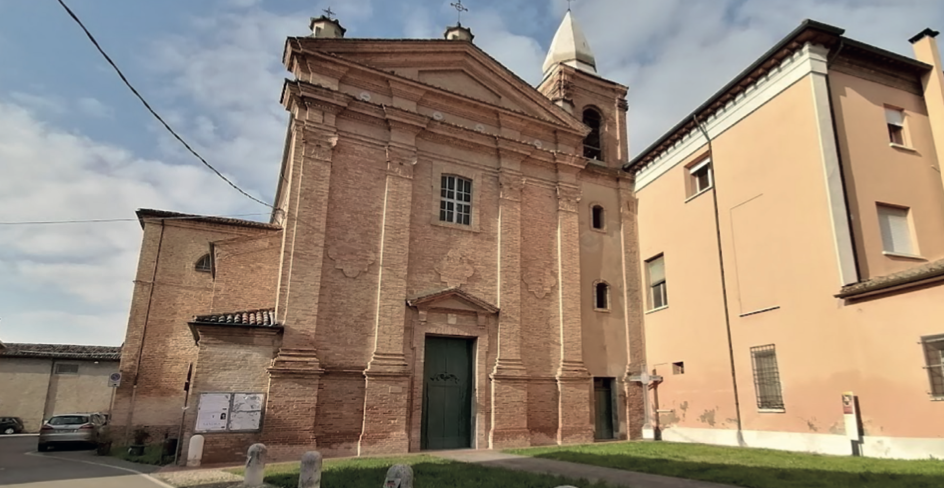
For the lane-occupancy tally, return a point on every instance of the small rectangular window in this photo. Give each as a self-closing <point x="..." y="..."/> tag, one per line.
<point x="934" y="363"/>
<point x="455" y="205"/>
<point x="766" y="378"/>
<point x="701" y="178"/>
<point x="895" y="119"/>
<point x="67" y="368"/>
<point x="658" y="293"/>
<point x="896" y="230"/>
<point x="678" y="368"/>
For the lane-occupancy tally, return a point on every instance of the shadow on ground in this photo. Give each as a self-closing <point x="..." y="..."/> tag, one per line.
<point x="760" y="477"/>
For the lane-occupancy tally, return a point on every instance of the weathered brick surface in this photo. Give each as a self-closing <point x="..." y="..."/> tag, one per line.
<point x="358" y="204"/>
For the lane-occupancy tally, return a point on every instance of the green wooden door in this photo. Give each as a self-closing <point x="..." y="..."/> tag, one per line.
<point x="447" y="394"/>
<point x="603" y="406"/>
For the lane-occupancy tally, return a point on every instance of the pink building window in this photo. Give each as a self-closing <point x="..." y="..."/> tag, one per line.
<point x="934" y="360"/>
<point x="766" y="378"/>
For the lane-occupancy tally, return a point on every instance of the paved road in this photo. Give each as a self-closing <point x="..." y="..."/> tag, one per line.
<point x="22" y="467"/>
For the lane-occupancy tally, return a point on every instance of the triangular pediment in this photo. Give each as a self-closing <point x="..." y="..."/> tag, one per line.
<point x="453" y="66"/>
<point x="452" y="299"/>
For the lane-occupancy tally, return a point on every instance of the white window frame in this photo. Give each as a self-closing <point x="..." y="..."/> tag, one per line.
<point x="456" y="199"/>
<point x="694" y="179"/>
<point x="895" y="116"/>
<point x="662" y="285"/>
<point x="904" y="245"/>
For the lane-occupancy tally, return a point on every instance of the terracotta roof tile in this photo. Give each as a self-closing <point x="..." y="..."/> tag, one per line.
<point x="147" y="213"/>
<point x="60" y="351"/>
<point x="930" y="271"/>
<point x="261" y="318"/>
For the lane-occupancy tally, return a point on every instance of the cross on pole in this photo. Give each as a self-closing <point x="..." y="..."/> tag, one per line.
<point x="328" y="13"/>
<point x="459" y="9"/>
<point x="569" y="4"/>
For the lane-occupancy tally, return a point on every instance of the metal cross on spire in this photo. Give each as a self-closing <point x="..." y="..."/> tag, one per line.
<point x="459" y="9"/>
<point x="569" y="4"/>
<point x="328" y="13"/>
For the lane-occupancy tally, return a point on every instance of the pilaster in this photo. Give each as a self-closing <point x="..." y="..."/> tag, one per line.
<point x="509" y="395"/>
<point x="573" y="379"/>
<point x="387" y="377"/>
<point x="633" y="416"/>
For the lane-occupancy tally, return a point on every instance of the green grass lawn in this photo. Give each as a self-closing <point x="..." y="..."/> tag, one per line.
<point x="428" y="472"/>
<point x="753" y="468"/>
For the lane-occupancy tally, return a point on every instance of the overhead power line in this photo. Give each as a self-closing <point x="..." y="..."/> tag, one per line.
<point x="106" y="221"/>
<point x="154" y="113"/>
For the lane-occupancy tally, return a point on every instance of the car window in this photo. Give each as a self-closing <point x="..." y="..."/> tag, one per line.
<point x="69" y="420"/>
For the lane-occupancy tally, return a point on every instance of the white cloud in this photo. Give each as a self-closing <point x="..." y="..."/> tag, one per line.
<point x="94" y="108"/>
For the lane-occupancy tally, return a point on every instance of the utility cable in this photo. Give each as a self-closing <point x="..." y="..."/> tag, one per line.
<point x="154" y="113"/>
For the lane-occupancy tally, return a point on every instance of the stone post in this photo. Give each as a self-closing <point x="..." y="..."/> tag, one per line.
<point x="195" y="451"/>
<point x="387" y="377"/>
<point x="399" y="476"/>
<point x="509" y="393"/>
<point x="255" y="465"/>
<point x="310" y="474"/>
<point x="573" y="379"/>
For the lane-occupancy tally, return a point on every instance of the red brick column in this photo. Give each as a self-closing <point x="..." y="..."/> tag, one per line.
<point x="573" y="379"/>
<point x="633" y="416"/>
<point x="509" y="395"/>
<point x="387" y="388"/>
<point x="288" y="429"/>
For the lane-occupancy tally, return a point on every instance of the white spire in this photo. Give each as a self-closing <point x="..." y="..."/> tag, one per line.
<point x="570" y="47"/>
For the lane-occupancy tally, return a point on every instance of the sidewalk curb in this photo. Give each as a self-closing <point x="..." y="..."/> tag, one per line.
<point x="119" y="468"/>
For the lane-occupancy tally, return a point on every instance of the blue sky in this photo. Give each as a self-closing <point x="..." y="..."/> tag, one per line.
<point x="75" y="144"/>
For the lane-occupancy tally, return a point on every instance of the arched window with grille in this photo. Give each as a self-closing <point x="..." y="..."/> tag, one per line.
<point x="592" y="144"/>
<point x="204" y="264"/>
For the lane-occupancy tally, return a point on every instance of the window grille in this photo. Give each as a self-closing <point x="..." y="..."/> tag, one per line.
<point x="67" y="368"/>
<point x="934" y="363"/>
<point x="455" y="205"/>
<point x="204" y="264"/>
<point x="766" y="377"/>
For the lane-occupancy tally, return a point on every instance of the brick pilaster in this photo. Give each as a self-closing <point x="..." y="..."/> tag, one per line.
<point x="509" y="395"/>
<point x="573" y="379"/>
<point x="387" y="387"/>
<point x="635" y="332"/>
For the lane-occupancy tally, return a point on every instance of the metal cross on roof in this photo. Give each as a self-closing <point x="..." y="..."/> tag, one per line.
<point x="459" y="9"/>
<point x="569" y="4"/>
<point x="328" y="13"/>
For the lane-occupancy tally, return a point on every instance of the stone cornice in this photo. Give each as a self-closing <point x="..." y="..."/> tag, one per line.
<point x="355" y="69"/>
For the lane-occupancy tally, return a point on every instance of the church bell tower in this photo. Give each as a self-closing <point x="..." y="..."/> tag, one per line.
<point x="571" y="81"/>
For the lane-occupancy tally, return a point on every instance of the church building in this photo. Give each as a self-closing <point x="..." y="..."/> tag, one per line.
<point x="450" y="263"/>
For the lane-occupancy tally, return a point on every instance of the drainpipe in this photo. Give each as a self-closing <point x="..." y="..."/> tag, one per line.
<point x="724" y="286"/>
<point x="147" y="315"/>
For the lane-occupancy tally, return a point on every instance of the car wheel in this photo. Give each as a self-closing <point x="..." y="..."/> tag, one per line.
<point x="9" y="431"/>
<point x="42" y="448"/>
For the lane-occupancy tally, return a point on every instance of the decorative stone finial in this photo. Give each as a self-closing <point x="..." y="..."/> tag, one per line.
<point x="326" y="26"/>
<point x="459" y="33"/>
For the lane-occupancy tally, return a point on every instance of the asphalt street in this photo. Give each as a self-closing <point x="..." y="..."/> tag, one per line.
<point x="22" y="467"/>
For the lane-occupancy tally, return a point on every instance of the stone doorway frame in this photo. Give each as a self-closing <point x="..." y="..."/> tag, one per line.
<point x="458" y="314"/>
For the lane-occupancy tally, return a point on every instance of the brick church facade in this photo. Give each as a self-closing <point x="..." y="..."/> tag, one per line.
<point x="450" y="263"/>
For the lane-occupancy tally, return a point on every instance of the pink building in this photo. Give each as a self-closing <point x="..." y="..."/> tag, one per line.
<point x="791" y="239"/>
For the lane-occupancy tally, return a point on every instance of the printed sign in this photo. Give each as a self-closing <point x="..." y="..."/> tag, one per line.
<point x="213" y="412"/>
<point x="114" y="380"/>
<point x="848" y="405"/>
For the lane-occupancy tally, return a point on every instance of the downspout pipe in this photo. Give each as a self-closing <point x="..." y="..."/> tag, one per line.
<point x="724" y="286"/>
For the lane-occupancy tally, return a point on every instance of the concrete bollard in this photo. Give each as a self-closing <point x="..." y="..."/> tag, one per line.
<point x="195" y="451"/>
<point x="399" y="476"/>
<point x="255" y="465"/>
<point x="310" y="474"/>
